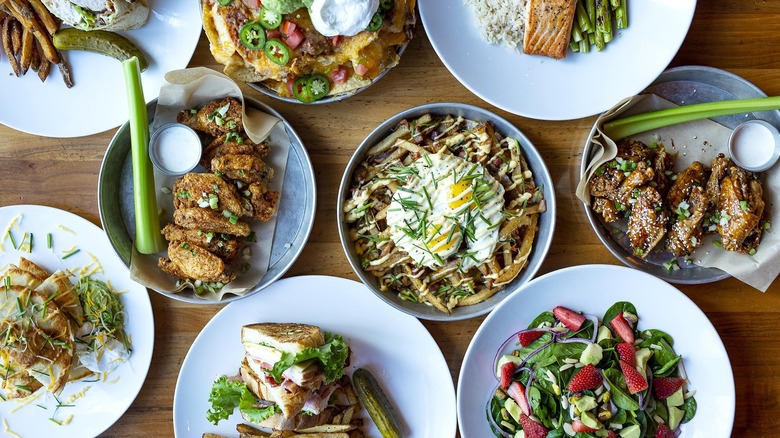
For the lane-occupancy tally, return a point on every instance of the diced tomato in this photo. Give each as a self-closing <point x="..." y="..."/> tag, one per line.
<point x="361" y="69"/>
<point x="273" y="33"/>
<point x="335" y="40"/>
<point x="288" y="27"/>
<point x="294" y="39"/>
<point x="252" y="3"/>
<point x="290" y="82"/>
<point x="339" y="75"/>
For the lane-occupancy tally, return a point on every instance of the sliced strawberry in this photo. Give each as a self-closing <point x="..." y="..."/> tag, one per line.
<point x="663" y="431"/>
<point x="634" y="380"/>
<point x="626" y="353"/>
<point x="621" y="327"/>
<point x="517" y="392"/>
<point x="531" y="428"/>
<point x="507" y="372"/>
<point x="528" y="338"/>
<point x="588" y="378"/>
<point x="569" y="318"/>
<point x="663" y="387"/>
<point x="579" y="426"/>
<point x="611" y="434"/>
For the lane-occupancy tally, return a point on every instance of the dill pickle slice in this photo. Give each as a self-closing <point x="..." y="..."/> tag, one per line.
<point x="99" y="41"/>
<point x="375" y="401"/>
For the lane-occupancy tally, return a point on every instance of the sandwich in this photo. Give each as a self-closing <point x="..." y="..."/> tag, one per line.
<point x="290" y="378"/>
<point x="100" y="14"/>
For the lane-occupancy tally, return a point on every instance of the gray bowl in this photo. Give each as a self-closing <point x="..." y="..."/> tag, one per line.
<point x="546" y="220"/>
<point x="680" y="85"/>
<point x="295" y="215"/>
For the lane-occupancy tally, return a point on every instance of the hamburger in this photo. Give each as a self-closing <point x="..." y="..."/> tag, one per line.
<point x="290" y="378"/>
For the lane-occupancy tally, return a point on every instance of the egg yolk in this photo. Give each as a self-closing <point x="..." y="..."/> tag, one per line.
<point x="460" y="193"/>
<point x="442" y="242"/>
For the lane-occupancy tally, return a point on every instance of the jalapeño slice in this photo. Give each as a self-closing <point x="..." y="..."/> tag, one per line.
<point x="277" y="51"/>
<point x="385" y="5"/>
<point x="252" y="35"/>
<point x="270" y="19"/>
<point x="301" y="91"/>
<point x="376" y="23"/>
<point x="318" y="86"/>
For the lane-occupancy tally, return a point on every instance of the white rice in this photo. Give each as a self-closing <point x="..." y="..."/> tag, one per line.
<point x="500" y="21"/>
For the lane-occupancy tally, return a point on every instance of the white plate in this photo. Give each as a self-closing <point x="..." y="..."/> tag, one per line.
<point x="103" y="402"/>
<point x="580" y="85"/>
<point x="395" y="347"/>
<point x="98" y="102"/>
<point x="593" y="289"/>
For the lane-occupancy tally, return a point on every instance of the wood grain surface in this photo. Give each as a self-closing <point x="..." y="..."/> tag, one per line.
<point x="739" y="36"/>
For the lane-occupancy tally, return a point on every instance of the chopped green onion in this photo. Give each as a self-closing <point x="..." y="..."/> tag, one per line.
<point x="70" y="253"/>
<point x="252" y="237"/>
<point x="213" y="201"/>
<point x="233" y="219"/>
<point x="744" y="205"/>
<point x="752" y="251"/>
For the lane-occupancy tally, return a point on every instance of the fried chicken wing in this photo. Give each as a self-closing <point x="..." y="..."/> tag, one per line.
<point x="191" y="262"/>
<point x="232" y="145"/>
<point x="686" y="233"/>
<point x="217" y="118"/>
<point x="741" y="208"/>
<point x="226" y="249"/>
<point x="209" y="221"/>
<point x="242" y="167"/>
<point x="647" y="222"/>
<point x="194" y="190"/>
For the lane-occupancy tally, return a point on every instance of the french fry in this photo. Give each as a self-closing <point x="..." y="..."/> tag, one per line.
<point x="44" y="66"/>
<point x="28" y="48"/>
<point x="45" y="16"/>
<point x="5" y="34"/>
<point x="16" y="37"/>
<point x="22" y="12"/>
<point x="65" y="72"/>
<point x="35" y="60"/>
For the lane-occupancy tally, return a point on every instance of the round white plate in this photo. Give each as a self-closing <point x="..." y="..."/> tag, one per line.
<point x="98" y="101"/>
<point x="103" y="402"/>
<point x="580" y="85"/>
<point x="395" y="347"/>
<point x="593" y="289"/>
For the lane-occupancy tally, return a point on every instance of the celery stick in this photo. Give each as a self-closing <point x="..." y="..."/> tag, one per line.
<point x="627" y="126"/>
<point x="148" y="239"/>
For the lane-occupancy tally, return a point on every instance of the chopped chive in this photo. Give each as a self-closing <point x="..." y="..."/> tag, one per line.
<point x="30" y="248"/>
<point x="70" y="253"/>
<point x="48" y="240"/>
<point x="7" y="281"/>
<point x="13" y="241"/>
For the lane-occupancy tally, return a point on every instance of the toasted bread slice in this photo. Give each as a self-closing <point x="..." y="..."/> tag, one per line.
<point x="288" y="337"/>
<point x="548" y="27"/>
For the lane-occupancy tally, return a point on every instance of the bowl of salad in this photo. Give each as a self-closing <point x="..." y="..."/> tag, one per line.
<point x="593" y="351"/>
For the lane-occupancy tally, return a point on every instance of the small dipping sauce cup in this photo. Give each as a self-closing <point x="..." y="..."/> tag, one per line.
<point x="755" y="145"/>
<point x="174" y="149"/>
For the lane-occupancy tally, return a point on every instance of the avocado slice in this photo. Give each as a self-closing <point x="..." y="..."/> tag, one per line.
<point x="590" y="420"/>
<point x="632" y="431"/>
<point x="675" y="416"/>
<point x="676" y="399"/>
<point x="604" y="333"/>
<point x="642" y="356"/>
<point x="592" y="354"/>
<point x="585" y="403"/>
<point x="504" y="359"/>
<point x="513" y="409"/>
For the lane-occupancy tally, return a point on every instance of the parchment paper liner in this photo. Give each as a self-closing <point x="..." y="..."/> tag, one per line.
<point x="700" y="140"/>
<point x="193" y="88"/>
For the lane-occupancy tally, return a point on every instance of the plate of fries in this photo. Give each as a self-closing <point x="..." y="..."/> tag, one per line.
<point x="56" y="93"/>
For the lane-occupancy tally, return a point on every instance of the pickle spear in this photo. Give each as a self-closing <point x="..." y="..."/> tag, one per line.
<point x="374" y="400"/>
<point x="99" y="41"/>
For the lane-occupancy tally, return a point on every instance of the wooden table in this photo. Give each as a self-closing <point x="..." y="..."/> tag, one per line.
<point x="741" y="37"/>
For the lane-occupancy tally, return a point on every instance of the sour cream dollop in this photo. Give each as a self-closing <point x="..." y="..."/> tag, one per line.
<point x="342" y="17"/>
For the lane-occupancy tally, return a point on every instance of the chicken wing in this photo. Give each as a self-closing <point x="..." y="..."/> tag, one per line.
<point x="217" y="118"/>
<point x="209" y="221"/>
<point x="232" y="145"/>
<point x="717" y="172"/>
<point x="686" y="233"/>
<point x="647" y="222"/>
<point x="741" y="208"/>
<point x="686" y="180"/>
<point x="242" y="167"/>
<point x="195" y="190"/>
<point x="191" y="262"/>
<point x="226" y="249"/>
<point x="264" y="201"/>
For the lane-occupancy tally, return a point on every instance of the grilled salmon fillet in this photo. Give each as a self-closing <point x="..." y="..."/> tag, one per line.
<point x="548" y="27"/>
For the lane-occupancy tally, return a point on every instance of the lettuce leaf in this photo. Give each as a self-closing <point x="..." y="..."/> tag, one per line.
<point x="332" y="355"/>
<point x="227" y="395"/>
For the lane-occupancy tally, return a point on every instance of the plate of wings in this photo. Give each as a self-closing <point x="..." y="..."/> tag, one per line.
<point x="652" y="214"/>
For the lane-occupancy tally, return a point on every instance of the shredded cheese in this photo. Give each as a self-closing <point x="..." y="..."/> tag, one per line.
<point x="15" y="221"/>
<point x="66" y="229"/>
<point x="26" y="401"/>
<point x="8" y="430"/>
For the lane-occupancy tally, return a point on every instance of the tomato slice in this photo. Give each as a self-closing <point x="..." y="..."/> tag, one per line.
<point x="288" y="27"/>
<point x="295" y="39"/>
<point x="361" y="69"/>
<point x="273" y="33"/>
<point x="339" y="75"/>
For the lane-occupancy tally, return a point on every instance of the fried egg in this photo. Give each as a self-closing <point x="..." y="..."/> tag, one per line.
<point x="447" y="208"/>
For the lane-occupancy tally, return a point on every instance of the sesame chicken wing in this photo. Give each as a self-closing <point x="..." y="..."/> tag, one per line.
<point x="647" y="222"/>
<point x="686" y="233"/>
<point x="694" y="175"/>
<point x="740" y="208"/>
